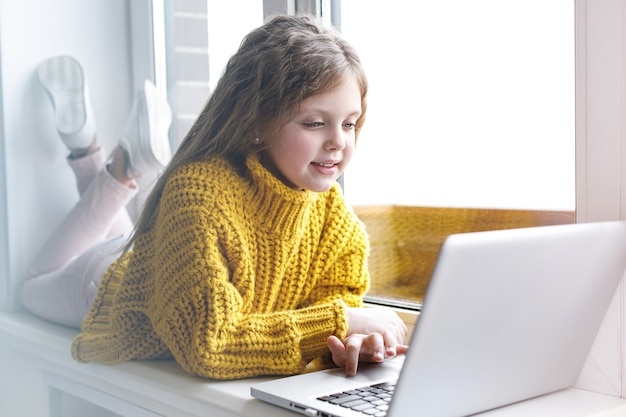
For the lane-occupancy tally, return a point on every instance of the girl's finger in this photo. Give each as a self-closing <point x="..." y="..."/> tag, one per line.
<point x="391" y="342"/>
<point x="375" y="348"/>
<point x="353" y="353"/>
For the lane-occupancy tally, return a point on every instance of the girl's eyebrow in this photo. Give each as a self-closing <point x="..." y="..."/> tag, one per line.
<point x="306" y="112"/>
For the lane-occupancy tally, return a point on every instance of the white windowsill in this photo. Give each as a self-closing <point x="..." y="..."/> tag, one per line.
<point x="163" y="388"/>
<point x="160" y="386"/>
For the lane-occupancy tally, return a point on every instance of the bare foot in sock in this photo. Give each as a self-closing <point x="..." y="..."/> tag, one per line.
<point x="118" y="167"/>
<point x="81" y="152"/>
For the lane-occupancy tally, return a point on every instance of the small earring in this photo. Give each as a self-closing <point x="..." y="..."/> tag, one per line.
<point x="257" y="141"/>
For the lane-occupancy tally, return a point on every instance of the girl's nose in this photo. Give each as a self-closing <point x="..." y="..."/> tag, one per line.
<point x="336" y="139"/>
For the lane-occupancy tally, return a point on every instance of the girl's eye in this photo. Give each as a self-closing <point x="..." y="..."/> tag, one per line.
<point x="350" y="125"/>
<point x="314" y="124"/>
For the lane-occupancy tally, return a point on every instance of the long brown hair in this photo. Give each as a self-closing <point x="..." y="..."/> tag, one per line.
<point x="277" y="66"/>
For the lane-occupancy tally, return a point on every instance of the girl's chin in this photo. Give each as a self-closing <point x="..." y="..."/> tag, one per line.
<point x="316" y="185"/>
<point x="320" y="188"/>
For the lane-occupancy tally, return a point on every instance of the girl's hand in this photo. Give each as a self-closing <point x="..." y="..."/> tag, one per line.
<point x="376" y="320"/>
<point x="362" y="348"/>
<point x="374" y="334"/>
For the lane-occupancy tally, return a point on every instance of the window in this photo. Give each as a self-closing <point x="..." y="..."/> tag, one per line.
<point x="470" y="126"/>
<point x="471" y="104"/>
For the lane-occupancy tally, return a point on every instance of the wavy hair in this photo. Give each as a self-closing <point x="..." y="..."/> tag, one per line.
<point x="277" y="66"/>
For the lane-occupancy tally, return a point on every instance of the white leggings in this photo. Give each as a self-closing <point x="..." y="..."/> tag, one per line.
<point x="63" y="280"/>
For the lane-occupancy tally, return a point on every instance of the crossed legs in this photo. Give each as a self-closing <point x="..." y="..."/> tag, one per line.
<point x="63" y="279"/>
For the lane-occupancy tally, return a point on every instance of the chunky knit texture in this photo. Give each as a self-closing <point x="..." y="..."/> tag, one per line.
<point x="240" y="276"/>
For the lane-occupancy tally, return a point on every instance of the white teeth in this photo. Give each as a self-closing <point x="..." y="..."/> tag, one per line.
<point x="324" y="165"/>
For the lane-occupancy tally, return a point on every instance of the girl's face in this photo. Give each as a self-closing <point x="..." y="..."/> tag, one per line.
<point x="314" y="148"/>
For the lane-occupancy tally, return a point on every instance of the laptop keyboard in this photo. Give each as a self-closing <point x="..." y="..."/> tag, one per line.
<point x="372" y="400"/>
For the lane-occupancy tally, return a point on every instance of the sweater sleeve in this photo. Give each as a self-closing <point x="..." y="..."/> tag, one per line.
<point x="205" y="318"/>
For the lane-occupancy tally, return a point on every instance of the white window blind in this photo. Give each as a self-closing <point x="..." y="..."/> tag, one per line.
<point x="187" y="62"/>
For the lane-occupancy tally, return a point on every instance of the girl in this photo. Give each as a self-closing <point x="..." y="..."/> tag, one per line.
<point x="246" y="259"/>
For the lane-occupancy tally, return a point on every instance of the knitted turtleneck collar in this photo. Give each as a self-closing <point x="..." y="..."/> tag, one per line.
<point x="279" y="205"/>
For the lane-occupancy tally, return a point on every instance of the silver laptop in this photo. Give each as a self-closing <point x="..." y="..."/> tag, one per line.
<point x="508" y="315"/>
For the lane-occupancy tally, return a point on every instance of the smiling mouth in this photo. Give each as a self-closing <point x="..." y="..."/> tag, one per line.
<point x="325" y="164"/>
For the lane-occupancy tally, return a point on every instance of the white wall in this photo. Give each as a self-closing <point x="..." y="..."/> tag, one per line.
<point x="39" y="184"/>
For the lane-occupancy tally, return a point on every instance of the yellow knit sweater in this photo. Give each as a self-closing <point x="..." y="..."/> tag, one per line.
<point x="240" y="276"/>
